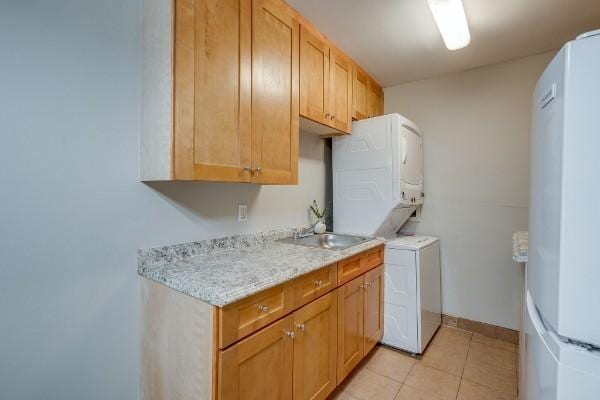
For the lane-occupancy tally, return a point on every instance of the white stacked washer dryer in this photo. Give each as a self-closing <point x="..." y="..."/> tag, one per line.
<point x="377" y="185"/>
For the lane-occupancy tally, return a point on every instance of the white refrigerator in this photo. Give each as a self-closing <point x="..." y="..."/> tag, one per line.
<point x="562" y="326"/>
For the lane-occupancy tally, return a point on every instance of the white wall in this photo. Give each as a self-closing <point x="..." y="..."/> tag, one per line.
<point x="476" y="128"/>
<point x="72" y="211"/>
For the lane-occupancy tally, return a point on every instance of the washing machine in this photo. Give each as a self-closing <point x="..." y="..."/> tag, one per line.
<point x="412" y="298"/>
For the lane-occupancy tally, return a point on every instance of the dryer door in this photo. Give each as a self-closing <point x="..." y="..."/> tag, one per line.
<point x="410" y="157"/>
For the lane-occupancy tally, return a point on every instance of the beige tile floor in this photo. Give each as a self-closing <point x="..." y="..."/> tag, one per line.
<point x="456" y="365"/>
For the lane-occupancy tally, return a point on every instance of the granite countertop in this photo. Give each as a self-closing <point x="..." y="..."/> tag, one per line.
<point x="222" y="271"/>
<point x="521" y="246"/>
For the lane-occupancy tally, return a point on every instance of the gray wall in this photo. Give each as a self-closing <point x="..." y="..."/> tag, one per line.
<point x="476" y="134"/>
<point x="73" y="213"/>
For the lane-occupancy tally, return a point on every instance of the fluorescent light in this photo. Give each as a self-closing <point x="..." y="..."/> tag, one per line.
<point x="451" y="20"/>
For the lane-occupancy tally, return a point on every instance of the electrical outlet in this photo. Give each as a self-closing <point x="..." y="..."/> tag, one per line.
<point x="242" y="212"/>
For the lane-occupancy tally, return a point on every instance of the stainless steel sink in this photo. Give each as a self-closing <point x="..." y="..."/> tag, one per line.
<point x="332" y="241"/>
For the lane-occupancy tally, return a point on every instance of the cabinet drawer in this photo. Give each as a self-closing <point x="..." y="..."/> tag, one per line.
<point x="246" y="316"/>
<point x="349" y="268"/>
<point x="356" y="265"/>
<point x="309" y="287"/>
<point x="373" y="258"/>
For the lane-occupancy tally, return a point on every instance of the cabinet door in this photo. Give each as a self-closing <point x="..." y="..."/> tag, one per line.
<point x="373" y="313"/>
<point x="275" y="51"/>
<point x="359" y="94"/>
<point x="315" y="349"/>
<point x="314" y="77"/>
<point x="350" y="327"/>
<point x="380" y="109"/>
<point x="374" y="99"/>
<point x="340" y="93"/>
<point x="259" y="367"/>
<point x="212" y="136"/>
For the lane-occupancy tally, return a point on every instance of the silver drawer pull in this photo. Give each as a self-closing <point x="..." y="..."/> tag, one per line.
<point x="263" y="308"/>
<point x="291" y="334"/>
<point x="319" y="283"/>
<point x="300" y="326"/>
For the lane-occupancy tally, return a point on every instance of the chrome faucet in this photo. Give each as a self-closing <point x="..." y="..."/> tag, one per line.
<point x="306" y="232"/>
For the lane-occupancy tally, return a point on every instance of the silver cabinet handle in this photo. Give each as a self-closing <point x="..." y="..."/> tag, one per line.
<point x="327" y="115"/>
<point x="263" y="308"/>
<point x="257" y="170"/>
<point x="300" y="326"/>
<point x="291" y="334"/>
<point x="247" y="168"/>
<point x="319" y="283"/>
<point x="333" y="117"/>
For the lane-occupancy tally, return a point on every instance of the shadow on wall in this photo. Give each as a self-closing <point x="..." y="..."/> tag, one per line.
<point x="268" y="205"/>
<point x="206" y="200"/>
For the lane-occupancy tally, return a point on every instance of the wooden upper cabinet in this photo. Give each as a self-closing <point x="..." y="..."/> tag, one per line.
<point x="220" y="91"/>
<point x="224" y="83"/>
<point x="373" y="308"/>
<point x="360" y="87"/>
<point x="374" y="99"/>
<point x="314" y="77"/>
<point x="350" y="327"/>
<point x="340" y="92"/>
<point x="259" y="367"/>
<point x="315" y="349"/>
<point x="275" y="87"/>
<point x="211" y="97"/>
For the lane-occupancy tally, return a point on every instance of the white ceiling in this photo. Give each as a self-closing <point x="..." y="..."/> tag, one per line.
<point x="397" y="40"/>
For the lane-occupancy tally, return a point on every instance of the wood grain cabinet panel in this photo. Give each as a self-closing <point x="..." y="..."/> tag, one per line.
<point x="350" y="327"/>
<point x="211" y="98"/>
<point x="358" y="264"/>
<point x="372" y="258"/>
<point x="350" y="268"/>
<point x="315" y="349"/>
<point x="314" y="284"/>
<point x="340" y="93"/>
<point x="246" y="316"/>
<point x="314" y="77"/>
<point x="360" y="83"/>
<point x="374" y="99"/>
<point x="259" y="367"/>
<point x="275" y="87"/>
<point x="373" y="308"/>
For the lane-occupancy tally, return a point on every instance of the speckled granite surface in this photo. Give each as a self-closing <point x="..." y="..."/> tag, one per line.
<point x="222" y="271"/>
<point x="520" y="246"/>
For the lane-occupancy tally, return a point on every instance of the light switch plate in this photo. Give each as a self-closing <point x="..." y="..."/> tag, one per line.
<point x="242" y="212"/>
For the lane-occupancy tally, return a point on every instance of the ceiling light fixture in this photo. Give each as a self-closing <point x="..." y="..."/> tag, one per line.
<point x="451" y="20"/>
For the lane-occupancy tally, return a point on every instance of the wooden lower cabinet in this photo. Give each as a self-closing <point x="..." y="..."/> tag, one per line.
<point x="373" y="308"/>
<point x="315" y="349"/>
<point x="350" y="326"/>
<point x="259" y="367"/>
<point x="294" y="357"/>
<point x="298" y="340"/>
<point x="360" y="319"/>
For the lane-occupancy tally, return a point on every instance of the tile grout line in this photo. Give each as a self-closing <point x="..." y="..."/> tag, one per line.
<point x="464" y="366"/>
<point x="493" y="365"/>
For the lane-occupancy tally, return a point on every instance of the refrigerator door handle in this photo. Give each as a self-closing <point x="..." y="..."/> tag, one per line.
<point x="536" y="320"/>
